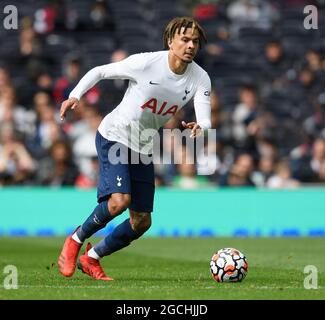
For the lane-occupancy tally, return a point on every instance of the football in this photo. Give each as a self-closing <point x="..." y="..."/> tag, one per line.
<point x="228" y="265"/>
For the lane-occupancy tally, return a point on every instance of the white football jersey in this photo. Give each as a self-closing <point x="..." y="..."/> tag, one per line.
<point x="154" y="95"/>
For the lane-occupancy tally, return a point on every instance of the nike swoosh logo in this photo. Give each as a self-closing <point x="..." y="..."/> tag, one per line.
<point x="153" y="83"/>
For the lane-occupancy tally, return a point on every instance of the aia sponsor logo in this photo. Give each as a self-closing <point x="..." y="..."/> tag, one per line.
<point x="163" y="109"/>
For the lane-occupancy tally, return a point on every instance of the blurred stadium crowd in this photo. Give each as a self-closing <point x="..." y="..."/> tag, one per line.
<point x="268" y="98"/>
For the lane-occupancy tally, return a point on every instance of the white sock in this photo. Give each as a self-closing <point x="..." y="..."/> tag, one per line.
<point x="92" y="254"/>
<point x="76" y="238"/>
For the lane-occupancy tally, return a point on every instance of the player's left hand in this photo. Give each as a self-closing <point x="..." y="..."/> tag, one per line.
<point x="196" y="129"/>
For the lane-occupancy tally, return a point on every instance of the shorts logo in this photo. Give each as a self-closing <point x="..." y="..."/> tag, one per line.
<point x="118" y="181"/>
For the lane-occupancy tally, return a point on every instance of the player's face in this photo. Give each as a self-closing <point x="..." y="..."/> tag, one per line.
<point x="185" y="44"/>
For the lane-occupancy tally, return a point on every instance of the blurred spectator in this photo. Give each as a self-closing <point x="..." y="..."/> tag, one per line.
<point x="58" y="168"/>
<point x="44" y="82"/>
<point x="306" y="165"/>
<point x="208" y="161"/>
<point x="16" y="164"/>
<point x="72" y="74"/>
<point x="215" y="109"/>
<point x="77" y="124"/>
<point x="112" y="91"/>
<point x="84" y="147"/>
<point x="261" y="138"/>
<point x="10" y="112"/>
<point x="314" y="125"/>
<point x="245" y="112"/>
<point x="205" y="11"/>
<point x="28" y="59"/>
<point x="100" y="16"/>
<point x="159" y="180"/>
<point x="266" y="148"/>
<point x="308" y="83"/>
<point x="320" y="178"/>
<point x="72" y="19"/>
<point x="47" y="130"/>
<point x="265" y="170"/>
<point x="90" y="180"/>
<point x="41" y="98"/>
<point x="187" y="177"/>
<point x="240" y="173"/>
<point x="282" y="177"/>
<point x="5" y="77"/>
<point x="251" y="13"/>
<point x="318" y="154"/>
<point x="65" y="84"/>
<point x="274" y="65"/>
<point x="29" y="43"/>
<point x="30" y="56"/>
<point x="217" y="48"/>
<point x="303" y="91"/>
<point x="314" y="60"/>
<point x="50" y="17"/>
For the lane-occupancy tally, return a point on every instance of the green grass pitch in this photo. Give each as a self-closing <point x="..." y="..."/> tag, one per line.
<point x="167" y="268"/>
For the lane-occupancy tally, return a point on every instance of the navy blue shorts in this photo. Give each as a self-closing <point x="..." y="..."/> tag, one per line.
<point x="118" y="174"/>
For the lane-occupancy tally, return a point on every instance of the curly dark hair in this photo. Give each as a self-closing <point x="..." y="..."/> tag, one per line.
<point x="177" y="24"/>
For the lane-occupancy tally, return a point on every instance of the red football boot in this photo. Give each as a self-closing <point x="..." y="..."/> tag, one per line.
<point x="68" y="257"/>
<point x="91" y="266"/>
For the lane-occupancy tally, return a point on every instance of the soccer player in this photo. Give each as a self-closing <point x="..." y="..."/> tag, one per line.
<point x="160" y="83"/>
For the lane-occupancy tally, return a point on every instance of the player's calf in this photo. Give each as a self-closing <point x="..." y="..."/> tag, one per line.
<point x="95" y="222"/>
<point x="120" y="237"/>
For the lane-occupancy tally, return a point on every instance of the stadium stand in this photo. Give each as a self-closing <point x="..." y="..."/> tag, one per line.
<point x="254" y="43"/>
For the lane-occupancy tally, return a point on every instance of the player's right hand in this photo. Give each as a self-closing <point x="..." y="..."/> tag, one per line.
<point x="70" y="103"/>
<point x="195" y="128"/>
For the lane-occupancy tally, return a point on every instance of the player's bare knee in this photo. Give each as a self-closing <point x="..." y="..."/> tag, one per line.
<point x="116" y="207"/>
<point x="118" y="204"/>
<point x="141" y="222"/>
